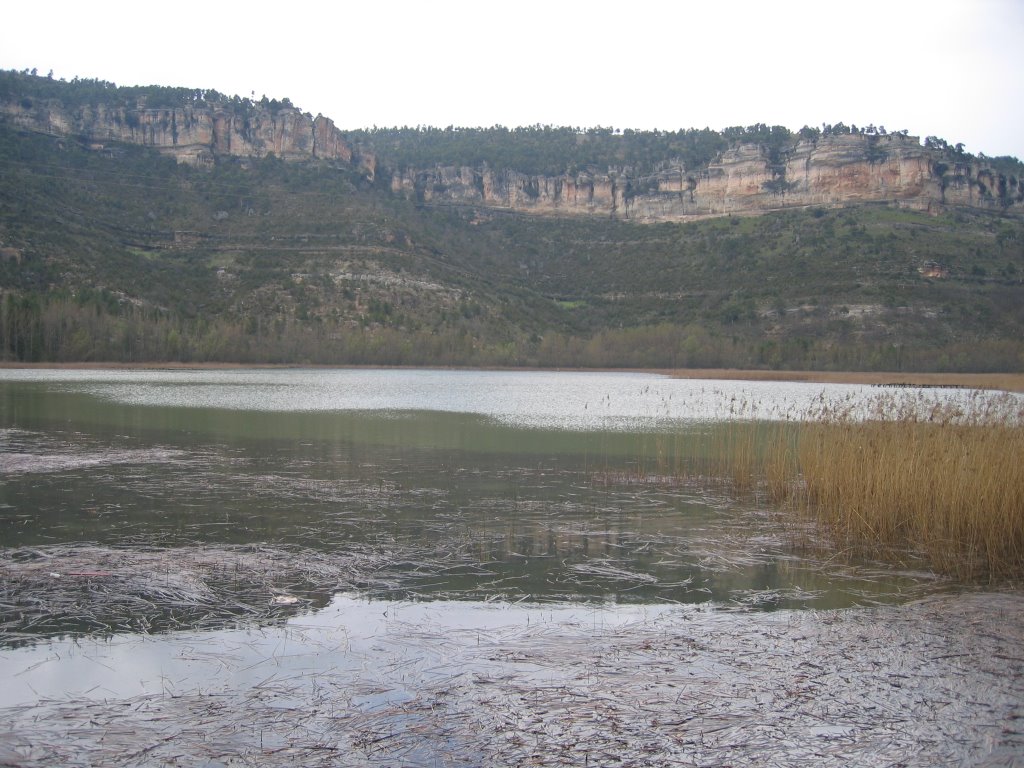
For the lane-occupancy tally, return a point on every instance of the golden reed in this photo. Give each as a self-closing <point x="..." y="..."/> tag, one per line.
<point x="941" y="479"/>
<point x="946" y="480"/>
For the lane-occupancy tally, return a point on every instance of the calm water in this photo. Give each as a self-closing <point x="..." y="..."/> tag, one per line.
<point x="461" y="490"/>
<point x="512" y="466"/>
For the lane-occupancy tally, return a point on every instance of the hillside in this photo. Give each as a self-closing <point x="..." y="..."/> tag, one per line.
<point x="173" y="224"/>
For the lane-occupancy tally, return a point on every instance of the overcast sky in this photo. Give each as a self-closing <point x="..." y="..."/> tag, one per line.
<point x="950" y="68"/>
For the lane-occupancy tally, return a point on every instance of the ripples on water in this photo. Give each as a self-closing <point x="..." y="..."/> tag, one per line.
<point x="282" y="496"/>
<point x="535" y="400"/>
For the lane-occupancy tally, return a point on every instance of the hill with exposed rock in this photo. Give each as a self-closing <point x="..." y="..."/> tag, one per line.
<point x="159" y="224"/>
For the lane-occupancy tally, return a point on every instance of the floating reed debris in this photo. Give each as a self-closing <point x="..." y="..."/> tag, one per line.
<point x="84" y="588"/>
<point x="868" y="687"/>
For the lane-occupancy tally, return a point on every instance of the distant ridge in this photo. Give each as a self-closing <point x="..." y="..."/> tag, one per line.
<point x="636" y="175"/>
<point x="162" y="225"/>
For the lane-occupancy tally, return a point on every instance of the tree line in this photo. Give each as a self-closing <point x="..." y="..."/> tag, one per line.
<point x="59" y="328"/>
<point x="26" y="86"/>
<point x="536" y="149"/>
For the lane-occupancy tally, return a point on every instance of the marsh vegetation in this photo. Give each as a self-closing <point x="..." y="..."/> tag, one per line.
<point x="900" y="475"/>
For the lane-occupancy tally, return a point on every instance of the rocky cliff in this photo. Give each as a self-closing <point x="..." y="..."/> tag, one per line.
<point x="749" y="178"/>
<point x="194" y="134"/>
<point x="828" y="171"/>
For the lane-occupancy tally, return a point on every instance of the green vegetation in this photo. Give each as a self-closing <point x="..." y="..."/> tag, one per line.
<point x="29" y="88"/>
<point x="118" y="253"/>
<point x="542" y="149"/>
<point x="127" y="256"/>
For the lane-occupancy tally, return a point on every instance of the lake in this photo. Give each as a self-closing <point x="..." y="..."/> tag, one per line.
<point x="505" y="473"/>
<point x="169" y="531"/>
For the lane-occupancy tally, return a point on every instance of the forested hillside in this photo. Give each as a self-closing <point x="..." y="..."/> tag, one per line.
<point x="112" y="251"/>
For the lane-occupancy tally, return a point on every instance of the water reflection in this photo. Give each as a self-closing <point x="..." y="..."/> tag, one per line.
<point x="419" y="504"/>
<point x="341" y="639"/>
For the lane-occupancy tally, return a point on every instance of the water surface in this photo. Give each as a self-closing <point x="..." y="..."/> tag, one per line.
<point x="346" y="542"/>
<point x="455" y="488"/>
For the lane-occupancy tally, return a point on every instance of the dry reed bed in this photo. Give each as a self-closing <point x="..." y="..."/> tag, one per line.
<point x="948" y="481"/>
<point x="939" y="682"/>
<point x="907" y="476"/>
<point x="1008" y="382"/>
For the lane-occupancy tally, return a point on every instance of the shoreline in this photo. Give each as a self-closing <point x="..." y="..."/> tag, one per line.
<point x="935" y="682"/>
<point x="1009" y="382"/>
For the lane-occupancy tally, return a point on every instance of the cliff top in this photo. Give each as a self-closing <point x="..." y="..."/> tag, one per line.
<point x="535" y="149"/>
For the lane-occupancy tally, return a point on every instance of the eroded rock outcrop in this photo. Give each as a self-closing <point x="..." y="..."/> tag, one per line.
<point x="829" y="171"/>
<point x="195" y="134"/>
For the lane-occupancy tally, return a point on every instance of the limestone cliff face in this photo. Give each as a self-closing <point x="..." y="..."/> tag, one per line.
<point x="195" y="135"/>
<point x="746" y="179"/>
<point x="833" y="170"/>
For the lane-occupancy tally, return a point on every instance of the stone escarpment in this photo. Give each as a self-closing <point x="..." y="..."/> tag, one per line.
<point x="195" y="134"/>
<point x="828" y="171"/>
<point x="748" y="178"/>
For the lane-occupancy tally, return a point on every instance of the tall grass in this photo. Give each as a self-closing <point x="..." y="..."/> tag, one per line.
<point x="943" y="480"/>
<point x="947" y="481"/>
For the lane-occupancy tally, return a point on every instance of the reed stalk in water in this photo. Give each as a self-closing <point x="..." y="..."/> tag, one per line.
<point x="944" y="479"/>
<point x="948" y="481"/>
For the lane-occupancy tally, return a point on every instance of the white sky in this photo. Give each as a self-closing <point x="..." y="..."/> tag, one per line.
<point x="951" y="68"/>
